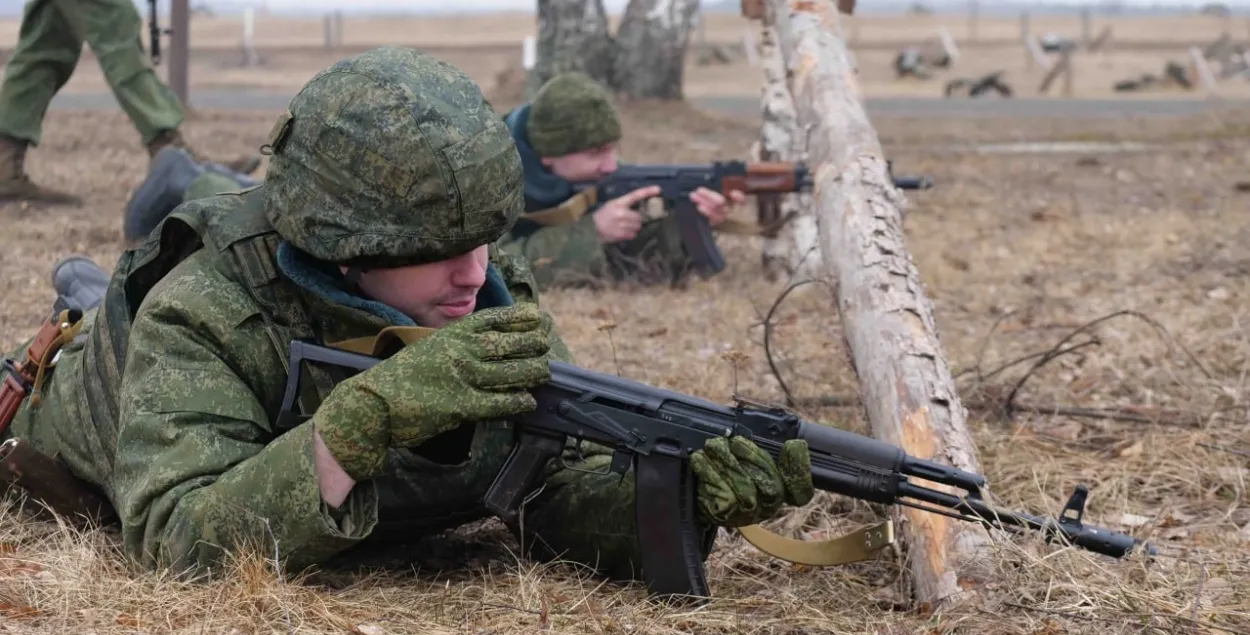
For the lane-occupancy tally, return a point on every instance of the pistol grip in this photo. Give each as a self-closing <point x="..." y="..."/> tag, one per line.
<point x="520" y="473"/>
<point x="696" y="235"/>
<point x="670" y="538"/>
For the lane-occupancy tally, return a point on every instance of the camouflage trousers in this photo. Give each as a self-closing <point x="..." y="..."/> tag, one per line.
<point x="574" y="257"/>
<point x="48" y="50"/>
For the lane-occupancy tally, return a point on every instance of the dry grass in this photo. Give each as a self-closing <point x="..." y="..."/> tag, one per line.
<point x="1016" y="252"/>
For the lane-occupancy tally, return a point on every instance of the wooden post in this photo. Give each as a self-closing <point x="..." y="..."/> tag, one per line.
<point x="948" y="44"/>
<point x="1203" y="70"/>
<point x="333" y="23"/>
<point x="529" y="53"/>
<point x="1086" y="28"/>
<point x="1061" y="66"/>
<point x="905" y="382"/>
<point x="1100" y="43"/>
<point x="180" y="49"/>
<point x="1034" y="48"/>
<point x="250" y="58"/>
<point x="973" y="10"/>
<point x="1024" y="39"/>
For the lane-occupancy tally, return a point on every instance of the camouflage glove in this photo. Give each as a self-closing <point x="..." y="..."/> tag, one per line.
<point x="740" y="484"/>
<point x="478" y="368"/>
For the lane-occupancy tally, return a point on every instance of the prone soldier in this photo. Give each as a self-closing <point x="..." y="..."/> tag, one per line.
<point x="391" y="179"/>
<point x="570" y="133"/>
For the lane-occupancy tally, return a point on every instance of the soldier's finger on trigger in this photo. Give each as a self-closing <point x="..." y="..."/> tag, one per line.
<point x="643" y="193"/>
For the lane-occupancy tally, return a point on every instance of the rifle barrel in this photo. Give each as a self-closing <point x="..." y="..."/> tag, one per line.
<point x="1089" y="537"/>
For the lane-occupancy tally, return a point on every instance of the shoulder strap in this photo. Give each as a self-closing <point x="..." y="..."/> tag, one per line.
<point x="570" y="211"/>
<point x="252" y="244"/>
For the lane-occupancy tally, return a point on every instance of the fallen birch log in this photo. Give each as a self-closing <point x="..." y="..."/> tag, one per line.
<point x="905" y="382"/>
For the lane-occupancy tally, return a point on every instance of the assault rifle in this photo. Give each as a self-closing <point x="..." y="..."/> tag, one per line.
<point x="677" y="182"/>
<point x="154" y="33"/>
<point x="654" y="431"/>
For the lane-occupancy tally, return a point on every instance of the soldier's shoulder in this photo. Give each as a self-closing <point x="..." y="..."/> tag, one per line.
<point x="218" y="206"/>
<point x="201" y="293"/>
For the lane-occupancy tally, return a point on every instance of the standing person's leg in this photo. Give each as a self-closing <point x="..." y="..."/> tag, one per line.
<point x="113" y="30"/>
<point x="47" y="53"/>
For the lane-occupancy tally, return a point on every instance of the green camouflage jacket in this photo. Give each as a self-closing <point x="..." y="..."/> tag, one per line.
<point x="571" y="254"/>
<point x="168" y="405"/>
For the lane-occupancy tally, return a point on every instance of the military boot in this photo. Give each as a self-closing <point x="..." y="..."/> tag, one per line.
<point x="243" y="165"/>
<point x="79" y="282"/>
<point x="15" y="184"/>
<point x="170" y="174"/>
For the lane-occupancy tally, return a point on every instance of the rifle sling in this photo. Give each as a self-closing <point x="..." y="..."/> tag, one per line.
<point x="742" y="228"/>
<point x="852" y="547"/>
<point x="570" y="211"/>
<point x="384" y="342"/>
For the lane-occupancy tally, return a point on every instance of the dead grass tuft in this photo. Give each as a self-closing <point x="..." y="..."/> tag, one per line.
<point x="1017" y="252"/>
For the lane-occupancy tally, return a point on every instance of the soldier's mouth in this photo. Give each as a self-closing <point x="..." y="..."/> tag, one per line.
<point x="459" y="308"/>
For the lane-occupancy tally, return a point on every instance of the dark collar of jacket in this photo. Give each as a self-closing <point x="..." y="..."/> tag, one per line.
<point x="322" y="280"/>
<point x="543" y="189"/>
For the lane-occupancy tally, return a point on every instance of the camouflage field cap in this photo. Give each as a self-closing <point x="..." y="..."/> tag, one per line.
<point x="571" y="113"/>
<point x="391" y="158"/>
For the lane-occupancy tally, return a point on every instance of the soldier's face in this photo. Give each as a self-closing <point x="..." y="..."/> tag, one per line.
<point x="587" y="165"/>
<point x="433" y="294"/>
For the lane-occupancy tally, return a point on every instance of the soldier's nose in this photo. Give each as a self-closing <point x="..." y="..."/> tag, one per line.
<point x="469" y="272"/>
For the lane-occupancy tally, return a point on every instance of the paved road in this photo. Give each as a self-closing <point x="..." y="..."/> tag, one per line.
<point x="228" y="99"/>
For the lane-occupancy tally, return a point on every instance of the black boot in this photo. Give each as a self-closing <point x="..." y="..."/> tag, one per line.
<point x="171" y="173"/>
<point x="79" y="282"/>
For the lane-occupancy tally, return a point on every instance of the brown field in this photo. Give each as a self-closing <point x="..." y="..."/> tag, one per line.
<point x="1016" y="251"/>
<point x="292" y="49"/>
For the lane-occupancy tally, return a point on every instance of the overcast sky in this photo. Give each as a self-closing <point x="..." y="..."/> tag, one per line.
<point x="14" y="7"/>
<point x="528" y="5"/>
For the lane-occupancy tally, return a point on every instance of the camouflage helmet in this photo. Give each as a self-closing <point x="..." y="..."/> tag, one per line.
<point x="391" y="158"/>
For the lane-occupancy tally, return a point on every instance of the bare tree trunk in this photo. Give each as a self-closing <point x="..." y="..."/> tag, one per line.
<point x="793" y="251"/>
<point x="905" y="382"/>
<point x="572" y="36"/>
<point x="646" y="59"/>
<point x="651" y="48"/>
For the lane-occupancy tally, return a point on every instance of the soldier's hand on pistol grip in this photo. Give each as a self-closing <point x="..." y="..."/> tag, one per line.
<point x="478" y="368"/>
<point x="739" y="484"/>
